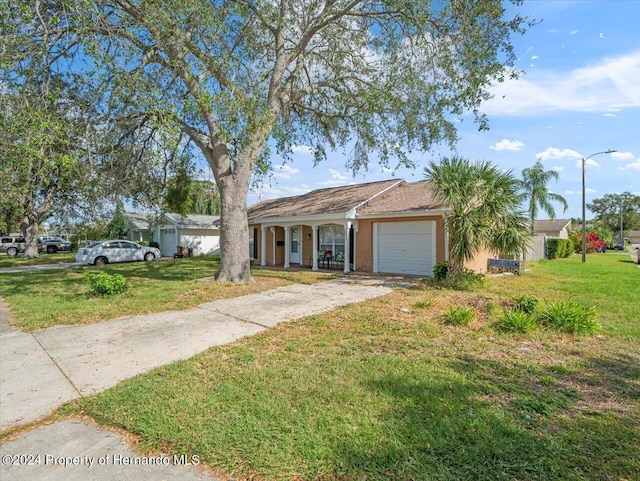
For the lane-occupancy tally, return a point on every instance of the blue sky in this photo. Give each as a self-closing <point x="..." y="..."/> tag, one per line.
<point x="579" y="94"/>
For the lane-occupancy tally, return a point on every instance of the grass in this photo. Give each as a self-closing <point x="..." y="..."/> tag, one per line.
<point x="19" y="260"/>
<point x="40" y="299"/>
<point x="380" y="391"/>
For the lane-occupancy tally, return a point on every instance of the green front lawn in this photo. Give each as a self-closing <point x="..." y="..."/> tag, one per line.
<point x="19" y="260"/>
<point x="385" y="390"/>
<point x="40" y="299"/>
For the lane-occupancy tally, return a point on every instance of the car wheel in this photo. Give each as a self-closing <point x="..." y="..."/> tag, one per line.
<point x="12" y="251"/>
<point x="52" y="249"/>
<point x="149" y="256"/>
<point x="101" y="261"/>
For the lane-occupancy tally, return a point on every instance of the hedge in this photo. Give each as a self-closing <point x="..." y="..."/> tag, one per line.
<point x="557" y="248"/>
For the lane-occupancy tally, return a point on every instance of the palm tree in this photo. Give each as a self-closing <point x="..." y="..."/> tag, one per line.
<point x="484" y="209"/>
<point x="534" y="184"/>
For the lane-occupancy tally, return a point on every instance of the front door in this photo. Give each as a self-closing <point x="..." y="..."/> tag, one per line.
<point x="294" y="254"/>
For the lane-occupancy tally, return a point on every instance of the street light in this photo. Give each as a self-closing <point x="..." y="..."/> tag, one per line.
<point x="584" y="205"/>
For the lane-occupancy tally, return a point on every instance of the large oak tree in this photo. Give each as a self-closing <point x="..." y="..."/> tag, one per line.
<point x="378" y="77"/>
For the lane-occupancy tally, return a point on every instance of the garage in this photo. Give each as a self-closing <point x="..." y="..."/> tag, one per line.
<point x="404" y="247"/>
<point x="168" y="244"/>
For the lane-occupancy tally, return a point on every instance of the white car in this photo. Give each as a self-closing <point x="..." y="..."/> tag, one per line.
<point x="105" y="252"/>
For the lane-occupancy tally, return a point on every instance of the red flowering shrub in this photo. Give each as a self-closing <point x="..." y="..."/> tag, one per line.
<point x="594" y="244"/>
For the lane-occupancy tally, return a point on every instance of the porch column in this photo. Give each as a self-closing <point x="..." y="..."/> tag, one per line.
<point x="347" y="256"/>
<point x="263" y="246"/>
<point x="273" y="246"/>
<point x="314" y="255"/>
<point x="355" y="243"/>
<point x="287" y="242"/>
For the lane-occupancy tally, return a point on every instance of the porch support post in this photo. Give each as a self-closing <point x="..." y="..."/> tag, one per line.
<point x="347" y="254"/>
<point x="314" y="254"/>
<point x="287" y="243"/>
<point x="263" y="246"/>
<point x="355" y="242"/>
<point x="273" y="245"/>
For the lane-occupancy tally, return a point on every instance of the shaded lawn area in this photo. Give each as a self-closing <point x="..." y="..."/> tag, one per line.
<point x="19" y="260"/>
<point x="40" y="299"/>
<point x="383" y="390"/>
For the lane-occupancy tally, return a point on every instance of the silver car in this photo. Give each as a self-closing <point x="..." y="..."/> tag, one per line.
<point x="116" y="250"/>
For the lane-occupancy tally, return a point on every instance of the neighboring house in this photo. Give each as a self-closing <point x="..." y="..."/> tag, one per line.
<point x="139" y="229"/>
<point x="634" y="236"/>
<point x="553" y="228"/>
<point x="388" y="227"/>
<point x="200" y="233"/>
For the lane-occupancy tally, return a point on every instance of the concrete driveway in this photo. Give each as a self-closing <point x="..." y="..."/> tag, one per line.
<point x="40" y="371"/>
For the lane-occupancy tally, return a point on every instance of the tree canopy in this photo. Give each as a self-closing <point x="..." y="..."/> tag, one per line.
<point x="609" y="207"/>
<point x="534" y="184"/>
<point x="385" y="77"/>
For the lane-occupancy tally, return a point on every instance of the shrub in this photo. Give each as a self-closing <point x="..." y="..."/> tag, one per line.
<point x="464" y="281"/>
<point x="527" y="303"/>
<point x="440" y="271"/>
<point x="459" y="316"/>
<point x="516" y="320"/>
<point x="557" y="248"/>
<point x="154" y="244"/>
<point x="569" y="316"/>
<point x="105" y="284"/>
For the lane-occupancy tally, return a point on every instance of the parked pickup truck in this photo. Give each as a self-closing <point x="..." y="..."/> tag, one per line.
<point x="54" y="244"/>
<point x="13" y="245"/>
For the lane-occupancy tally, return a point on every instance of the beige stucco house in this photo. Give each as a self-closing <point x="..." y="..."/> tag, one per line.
<point x="388" y="227"/>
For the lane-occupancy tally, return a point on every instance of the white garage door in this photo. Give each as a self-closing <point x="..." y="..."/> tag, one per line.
<point x="404" y="247"/>
<point x="168" y="245"/>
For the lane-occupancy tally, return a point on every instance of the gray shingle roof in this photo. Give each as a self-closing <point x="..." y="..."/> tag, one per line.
<point x="390" y="196"/>
<point x="550" y="225"/>
<point x="333" y="200"/>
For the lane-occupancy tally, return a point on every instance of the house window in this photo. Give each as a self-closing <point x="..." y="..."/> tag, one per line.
<point x="332" y="238"/>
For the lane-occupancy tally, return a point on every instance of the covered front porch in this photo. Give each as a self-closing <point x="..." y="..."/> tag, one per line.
<point x="321" y="244"/>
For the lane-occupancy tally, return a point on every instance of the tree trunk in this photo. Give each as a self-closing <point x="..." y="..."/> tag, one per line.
<point x="31" y="238"/>
<point x="234" y="228"/>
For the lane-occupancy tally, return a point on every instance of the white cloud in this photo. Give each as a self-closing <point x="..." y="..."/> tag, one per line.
<point x="623" y="156"/>
<point x="588" y="162"/>
<point x="302" y="149"/>
<point x="284" y="171"/>
<point x="601" y="35"/>
<point x="557" y="168"/>
<point x="302" y="189"/>
<point x="603" y="87"/>
<point x="633" y="165"/>
<point x="553" y="153"/>
<point x="574" y="32"/>
<point x="337" y="178"/>
<point x="535" y="57"/>
<point x="505" y="144"/>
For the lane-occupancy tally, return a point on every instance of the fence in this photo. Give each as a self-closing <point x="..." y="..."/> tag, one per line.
<point x="537" y="249"/>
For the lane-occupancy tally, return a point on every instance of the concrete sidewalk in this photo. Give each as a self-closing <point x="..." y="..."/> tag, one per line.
<point x="40" y="371"/>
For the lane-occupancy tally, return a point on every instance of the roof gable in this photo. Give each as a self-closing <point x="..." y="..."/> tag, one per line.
<point x="551" y="224"/>
<point x="138" y="220"/>
<point x="406" y="198"/>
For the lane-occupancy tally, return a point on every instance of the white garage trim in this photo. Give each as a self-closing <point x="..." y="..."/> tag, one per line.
<point x="404" y="247"/>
